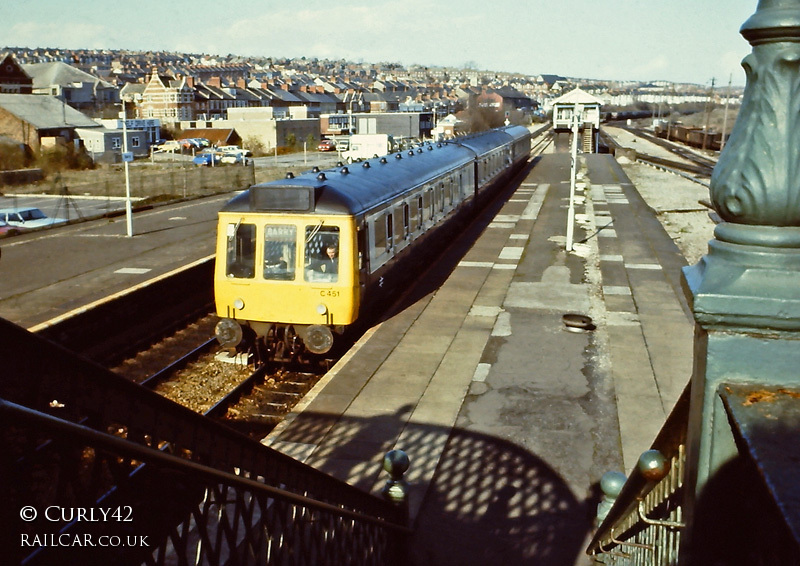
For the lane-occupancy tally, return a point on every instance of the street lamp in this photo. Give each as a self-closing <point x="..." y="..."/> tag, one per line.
<point x="577" y="122"/>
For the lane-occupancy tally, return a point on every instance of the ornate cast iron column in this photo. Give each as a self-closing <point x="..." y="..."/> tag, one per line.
<point x="745" y="293"/>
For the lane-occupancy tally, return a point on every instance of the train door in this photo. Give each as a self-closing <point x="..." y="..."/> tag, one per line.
<point x="363" y="258"/>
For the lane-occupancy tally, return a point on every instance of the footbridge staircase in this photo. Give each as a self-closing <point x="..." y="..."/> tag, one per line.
<point x="172" y="486"/>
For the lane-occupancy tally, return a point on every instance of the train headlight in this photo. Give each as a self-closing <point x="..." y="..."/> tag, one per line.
<point x="228" y="333"/>
<point x="318" y="339"/>
<point x="322" y="309"/>
<point x="238" y="304"/>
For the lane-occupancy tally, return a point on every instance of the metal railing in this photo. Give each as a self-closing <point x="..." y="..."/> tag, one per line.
<point x="746" y="511"/>
<point x="169" y="486"/>
<point x="643" y="526"/>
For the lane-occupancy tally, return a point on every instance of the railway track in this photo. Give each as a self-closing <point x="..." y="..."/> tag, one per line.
<point x="698" y="168"/>
<point x="189" y="368"/>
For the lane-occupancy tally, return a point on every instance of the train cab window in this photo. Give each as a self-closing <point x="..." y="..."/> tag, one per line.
<point x="322" y="253"/>
<point x="240" y="258"/>
<point x="280" y="243"/>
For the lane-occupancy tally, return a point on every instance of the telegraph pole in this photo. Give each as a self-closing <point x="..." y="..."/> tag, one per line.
<point x="708" y="112"/>
<point x="725" y="116"/>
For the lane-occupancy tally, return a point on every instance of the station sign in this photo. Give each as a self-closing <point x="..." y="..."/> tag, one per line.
<point x="127" y="156"/>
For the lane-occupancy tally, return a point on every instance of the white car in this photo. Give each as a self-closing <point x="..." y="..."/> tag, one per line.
<point x="232" y="158"/>
<point x="27" y="218"/>
<point x="234" y="149"/>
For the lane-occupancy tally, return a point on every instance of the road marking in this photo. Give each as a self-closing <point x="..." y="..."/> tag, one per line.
<point x="652" y="266"/>
<point x="502" y="326"/>
<point x="481" y="372"/>
<point x="475" y="264"/>
<point x="509" y="252"/>
<point x="616" y="290"/>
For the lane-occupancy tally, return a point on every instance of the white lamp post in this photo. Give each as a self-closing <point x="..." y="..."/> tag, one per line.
<point x="577" y="119"/>
<point x="125" y="156"/>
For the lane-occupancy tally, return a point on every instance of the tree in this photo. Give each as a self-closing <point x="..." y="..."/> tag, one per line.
<point x="479" y="119"/>
<point x="12" y="156"/>
<point x="255" y="145"/>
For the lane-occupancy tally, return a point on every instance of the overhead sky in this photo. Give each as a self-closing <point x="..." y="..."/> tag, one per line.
<point x="642" y="40"/>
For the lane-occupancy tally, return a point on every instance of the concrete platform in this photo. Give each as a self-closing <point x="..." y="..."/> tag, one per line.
<point x="508" y="418"/>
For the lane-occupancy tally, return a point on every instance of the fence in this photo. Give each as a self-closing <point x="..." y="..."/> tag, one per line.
<point x="181" y="180"/>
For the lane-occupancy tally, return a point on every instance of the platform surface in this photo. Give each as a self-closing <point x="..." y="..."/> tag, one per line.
<point x="508" y="417"/>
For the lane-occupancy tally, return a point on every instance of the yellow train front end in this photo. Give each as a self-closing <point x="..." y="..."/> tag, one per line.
<point x="285" y="282"/>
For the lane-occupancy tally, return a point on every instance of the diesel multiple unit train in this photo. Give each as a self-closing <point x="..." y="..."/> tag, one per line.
<point x="298" y="260"/>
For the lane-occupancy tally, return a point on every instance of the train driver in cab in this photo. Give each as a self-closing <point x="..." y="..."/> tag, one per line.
<point x="328" y="266"/>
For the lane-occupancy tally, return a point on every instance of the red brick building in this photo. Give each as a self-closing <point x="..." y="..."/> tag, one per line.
<point x="13" y="79"/>
<point x="170" y="100"/>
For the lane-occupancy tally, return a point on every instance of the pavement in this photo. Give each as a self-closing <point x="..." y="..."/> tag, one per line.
<point x="510" y="419"/>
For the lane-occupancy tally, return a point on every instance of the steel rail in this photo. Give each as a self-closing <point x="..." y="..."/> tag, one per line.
<point x="153" y="380"/>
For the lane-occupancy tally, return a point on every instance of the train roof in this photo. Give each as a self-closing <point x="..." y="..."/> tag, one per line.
<point x="361" y="186"/>
<point x="484" y="142"/>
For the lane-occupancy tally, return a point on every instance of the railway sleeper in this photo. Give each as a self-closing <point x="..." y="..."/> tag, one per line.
<point x="296" y="387"/>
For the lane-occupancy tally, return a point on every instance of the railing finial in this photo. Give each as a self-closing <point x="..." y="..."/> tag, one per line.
<point x="396" y="463"/>
<point x="611" y="485"/>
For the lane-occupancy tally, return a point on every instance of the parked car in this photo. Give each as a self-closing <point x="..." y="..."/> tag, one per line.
<point x="208" y="158"/>
<point x="234" y="149"/>
<point x="233" y="158"/>
<point x="27" y="218"/>
<point x="189" y="144"/>
<point x="167" y="146"/>
<point x="326" y="145"/>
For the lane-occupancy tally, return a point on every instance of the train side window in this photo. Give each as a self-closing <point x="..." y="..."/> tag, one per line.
<point x="240" y="260"/>
<point x="379" y="230"/>
<point x="420" y="210"/>
<point x="406" y="220"/>
<point x="280" y="243"/>
<point x="428" y="203"/>
<point x="389" y="231"/>
<point x="413" y="211"/>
